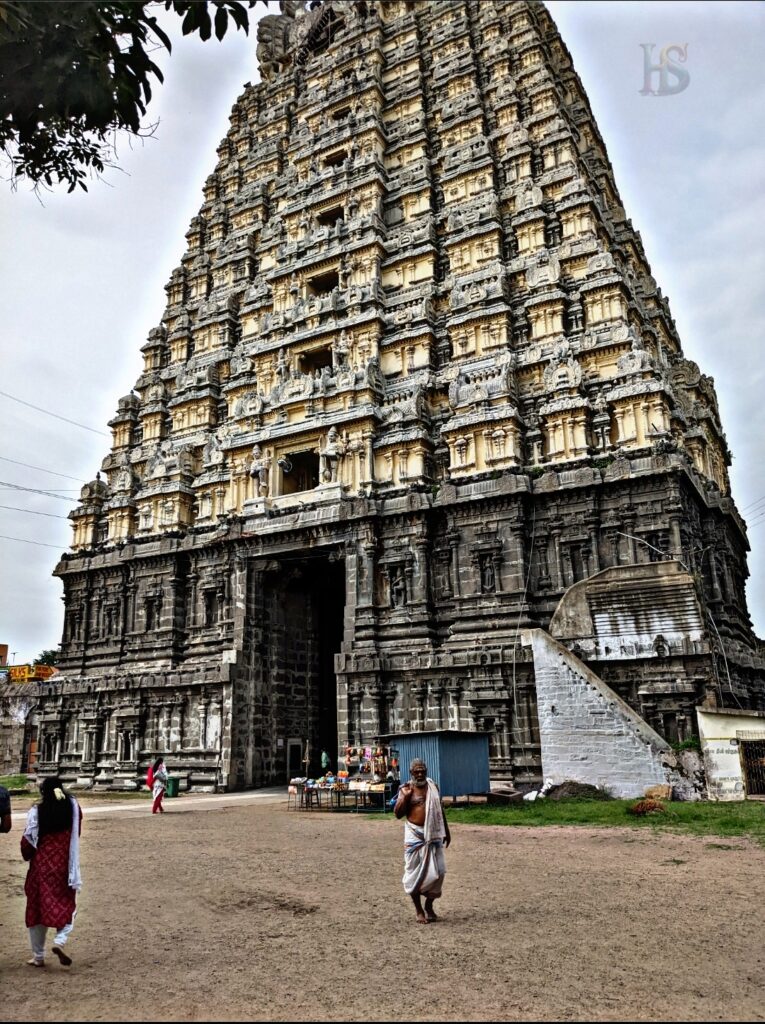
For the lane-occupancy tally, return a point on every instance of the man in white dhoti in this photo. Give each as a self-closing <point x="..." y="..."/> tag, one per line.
<point x="426" y="833"/>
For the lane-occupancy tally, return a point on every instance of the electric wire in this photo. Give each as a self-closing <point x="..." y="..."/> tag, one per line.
<point x="756" y="501"/>
<point x="40" y="469"/>
<point x="6" y="485"/>
<point x="38" y="543"/>
<point x="32" y="512"/>
<point x="55" y="415"/>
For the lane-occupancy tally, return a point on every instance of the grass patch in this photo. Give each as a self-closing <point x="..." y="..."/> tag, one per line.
<point x="13" y="781"/>
<point x="692" y="744"/>
<point x="744" y="818"/>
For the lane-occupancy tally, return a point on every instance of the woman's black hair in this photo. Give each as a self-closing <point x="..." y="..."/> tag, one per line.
<point x="54" y="814"/>
<point x="157" y="763"/>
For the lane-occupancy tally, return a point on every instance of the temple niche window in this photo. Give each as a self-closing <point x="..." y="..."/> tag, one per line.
<point x="342" y="114"/>
<point x="578" y="557"/>
<point x="323" y="284"/>
<point x="397" y="576"/>
<point x="657" y="546"/>
<point x="49" y="747"/>
<point x="110" y="619"/>
<point x="211" y="607"/>
<point x="328" y="218"/>
<point x="299" y="471"/>
<point x="125" y="740"/>
<point x="72" y="623"/>
<point x="336" y="159"/>
<point x="316" y="359"/>
<point x="488" y="574"/>
<point x="152" y="607"/>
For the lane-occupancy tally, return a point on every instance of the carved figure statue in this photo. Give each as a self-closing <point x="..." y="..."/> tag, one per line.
<point x="341" y="350"/>
<point x="488" y="584"/>
<point x="282" y="370"/>
<point x="331" y="455"/>
<point x="397" y="588"/>
<point x="259" y="467"/>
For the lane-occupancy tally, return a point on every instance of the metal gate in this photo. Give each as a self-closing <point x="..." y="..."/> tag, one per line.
<point x="753" y="762"/>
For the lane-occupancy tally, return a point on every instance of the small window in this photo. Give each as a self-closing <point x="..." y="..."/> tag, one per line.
<point x="336" y="159"/>
<point x="299" y="471"/>
<point x="328" y="218"/>
<point x="323" y="284"/>
<point x="341" y="114"/>
<point x="316" y="359"/>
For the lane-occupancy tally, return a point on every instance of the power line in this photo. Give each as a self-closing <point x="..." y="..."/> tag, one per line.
<point x="750" y="510"/>
<point x="39" y="543"/>
<point x="40" y="469"/>
<point x="32" y="512"/>
<point x="755" y="502"/>
<point x="55" y="415"/>
<point x="5" y="485"/>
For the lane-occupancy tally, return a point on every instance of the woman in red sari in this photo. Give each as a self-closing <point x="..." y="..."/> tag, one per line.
<point x="51" y="844"/>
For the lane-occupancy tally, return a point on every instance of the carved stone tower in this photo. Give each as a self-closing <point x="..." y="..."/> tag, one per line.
<point x="414" y="391"/>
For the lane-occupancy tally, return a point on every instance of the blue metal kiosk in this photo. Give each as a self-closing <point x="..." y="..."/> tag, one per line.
<point x="458" y="762"/>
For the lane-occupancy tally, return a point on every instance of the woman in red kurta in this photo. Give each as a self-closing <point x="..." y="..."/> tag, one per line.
<point x="51" y="843"/>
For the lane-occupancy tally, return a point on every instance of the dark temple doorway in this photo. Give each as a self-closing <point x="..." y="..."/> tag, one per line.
<point x="298" y="630"/>
<point x="325" y="582"/>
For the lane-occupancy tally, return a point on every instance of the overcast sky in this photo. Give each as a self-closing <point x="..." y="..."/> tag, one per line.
<point x="83" y="275"/>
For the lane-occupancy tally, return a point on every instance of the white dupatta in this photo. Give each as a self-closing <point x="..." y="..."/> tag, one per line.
<point x="32" y="836"/>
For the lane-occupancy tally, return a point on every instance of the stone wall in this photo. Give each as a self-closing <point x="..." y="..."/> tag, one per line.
<point x="18" y="720"/>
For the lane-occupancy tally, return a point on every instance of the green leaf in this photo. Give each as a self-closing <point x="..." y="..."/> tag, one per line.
<point x="221" y="23"/>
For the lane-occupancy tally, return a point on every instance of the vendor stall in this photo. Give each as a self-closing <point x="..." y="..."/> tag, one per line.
<point x="367" y="782"/>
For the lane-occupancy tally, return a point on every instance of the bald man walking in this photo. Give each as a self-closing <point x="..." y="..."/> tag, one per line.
<point x="426" y="833"/>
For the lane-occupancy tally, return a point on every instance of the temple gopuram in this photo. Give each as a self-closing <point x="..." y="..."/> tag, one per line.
<point x="415" y="398"/>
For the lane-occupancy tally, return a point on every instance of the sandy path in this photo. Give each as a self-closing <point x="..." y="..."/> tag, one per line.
<point x="241" y="910"/>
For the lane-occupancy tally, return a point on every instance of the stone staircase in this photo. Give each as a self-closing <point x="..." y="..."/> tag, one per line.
<point x="587" y="732"/>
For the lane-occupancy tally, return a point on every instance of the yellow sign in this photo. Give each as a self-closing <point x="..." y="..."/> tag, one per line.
<point x="30" y="673"/>
<point x="43" y="671"/>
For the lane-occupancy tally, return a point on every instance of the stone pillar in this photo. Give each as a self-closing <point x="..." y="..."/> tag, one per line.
<point x="419" y="693"/>
<point x="374" y="692"/>
<point x="420" y="583"/>
<point x="366" y="573"/>
<point x="557" y="559"/>
<point x="204" y="704"/>
<point x="455" y="688"/>
<point x="355" y="697"/>
<point x="369" y="457"/>
<point x="518" y="558"/>
<point x="167" y="715"/>
<point x="505" y="732"/>
<point x="454" y="543"/>
<point x="496" y="561"/>
<point x="438" y="692"/>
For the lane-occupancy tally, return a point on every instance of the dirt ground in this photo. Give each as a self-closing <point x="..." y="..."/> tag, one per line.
<point x="251" y="912"/>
